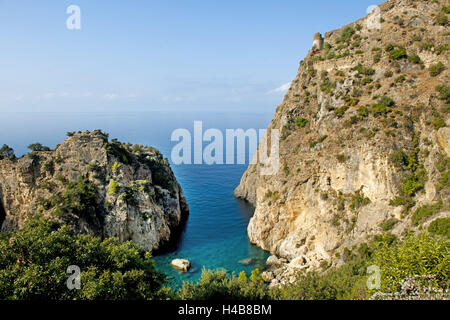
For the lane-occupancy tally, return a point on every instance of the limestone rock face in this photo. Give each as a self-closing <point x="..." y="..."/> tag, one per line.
<point x="181" y="264"/>
<point x="98" y="187"/>
<point x="364" y="141"/>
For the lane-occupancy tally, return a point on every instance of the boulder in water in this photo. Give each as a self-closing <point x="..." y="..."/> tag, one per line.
<point x="181" y="264"/>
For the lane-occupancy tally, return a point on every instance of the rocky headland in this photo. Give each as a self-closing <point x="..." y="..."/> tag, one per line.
<point x="98" y="187"/>
<point x="365" y="142"/>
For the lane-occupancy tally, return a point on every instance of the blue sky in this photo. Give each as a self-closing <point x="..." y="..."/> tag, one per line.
<point x="138" y="55"/>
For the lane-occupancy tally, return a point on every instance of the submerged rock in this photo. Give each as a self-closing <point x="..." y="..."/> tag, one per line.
<point x="248" y="261"/>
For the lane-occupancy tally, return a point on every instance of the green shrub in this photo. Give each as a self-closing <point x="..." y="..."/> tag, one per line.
<point x="415" y="59"/>
<point x="340" y="112"/>
<point x="117" y="150"/>
<point x="436" y="69"/>
<point x="341" y="158"/>
<point x="398" y="53"/>
<point x="301" y="122"/>
<point x="399" y="158"/>
<point x="402" y="201"/>
<point x="444" y="91"/>
<point x="112" y="187"/>
<point x="34" y="260"/>
<point x="438" y="122"/>
<point x="426" y="211"/>
<point x="362" y="70"/>
<point x="218" y="285"/>
<point x="363" y="112"/>
<point x="327" y="86"/>
<point x="421" y="255"/>
<point x="358" y="200"/>
<point x="36" y="147"/>
<point x="441" y="227"/>
<point x="443" y="48"/>
<point x="441" y="19"/>
<point x="414" y="182"/>
<point x="377" y="57"/>
<point x="389" y="224"/>
<point x="346" y="35"/>
<point x="7" y="153"/>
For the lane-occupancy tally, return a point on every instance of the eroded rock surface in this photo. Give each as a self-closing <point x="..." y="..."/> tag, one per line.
<point x="98" y="187"/>
<point x="364" y="141"/>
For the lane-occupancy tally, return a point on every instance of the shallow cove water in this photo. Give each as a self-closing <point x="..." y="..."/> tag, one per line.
<point x="215" y="235"/>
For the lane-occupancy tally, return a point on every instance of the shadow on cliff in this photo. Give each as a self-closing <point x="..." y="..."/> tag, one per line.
<point x="176" y="237"/>
<point x="2" y="211"/>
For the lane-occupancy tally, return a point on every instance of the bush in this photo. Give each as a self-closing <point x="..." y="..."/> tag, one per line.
<point x="441" y="227"/>
<point x="341" y="158"/>
<point x="364" y="70"/>
<point x="301" y="122"/>
<point x="441" y="19"/>
<point x="399" y="158"/>
<point x="436" y="69"/>
<point x="421" y="255"/>
<point x="7" y="153"/>
<point x="358" y="200"/>
<point x="217" y="285"/>
<point x="383" y="107"/>
<point x="34" y="260"/>
<point x="398" y="53"/>
<point x="112" y="187"/>
<point x="425" y="212"/>
<point x="415" y="59"/>
<point x="444" y="91"/>
<point x="426" y="45"/>
<point x="414" y="182"/>
<point x="346" y="35"/>
<point x="389" y="224"/>
<point x="340" y="112"/>
<point x="38" y="147"/>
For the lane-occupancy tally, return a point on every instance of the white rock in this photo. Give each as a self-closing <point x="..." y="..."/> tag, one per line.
<point x="267" y="276"/>
<point x="181" y="264"/>
<point x="273" y="261"/>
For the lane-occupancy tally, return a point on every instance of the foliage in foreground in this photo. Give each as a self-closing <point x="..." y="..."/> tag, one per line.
<point x="417" y="264"/>
<point x="34" y="260"/>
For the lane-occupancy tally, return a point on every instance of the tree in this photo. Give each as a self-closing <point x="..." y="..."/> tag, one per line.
<point x="7" y="153"/>
<point x="38" y="147"/>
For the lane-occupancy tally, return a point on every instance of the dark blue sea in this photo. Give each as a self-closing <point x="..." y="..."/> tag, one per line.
<point x="215" y="234"/>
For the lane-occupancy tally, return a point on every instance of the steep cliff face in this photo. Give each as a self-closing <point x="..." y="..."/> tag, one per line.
<point x="99" y="187"/>
<point x="365" y="141"/>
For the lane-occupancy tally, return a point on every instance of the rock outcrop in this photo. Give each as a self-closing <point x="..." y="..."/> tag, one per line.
<point x="181" y="264"/>
<point x="364" y="146"/>
<point x="98" y="187"/>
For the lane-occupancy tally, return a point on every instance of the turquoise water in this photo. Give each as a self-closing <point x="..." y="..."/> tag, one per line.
<point x="215" y="234"/>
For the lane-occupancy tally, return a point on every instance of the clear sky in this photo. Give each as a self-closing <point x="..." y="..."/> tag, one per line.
<point x="138" y="55"/>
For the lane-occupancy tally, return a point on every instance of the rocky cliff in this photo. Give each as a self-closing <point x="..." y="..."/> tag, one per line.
<point x="365" y="142"/>
<point x="98" y="187"/>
